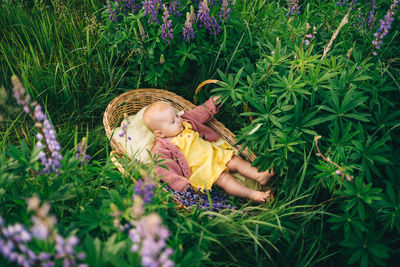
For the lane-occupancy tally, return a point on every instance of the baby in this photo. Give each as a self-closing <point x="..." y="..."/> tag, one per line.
<point x="193" y="161"/>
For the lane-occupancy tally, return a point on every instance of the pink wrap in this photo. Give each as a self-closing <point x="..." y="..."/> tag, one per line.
<point x="178" y="170"/>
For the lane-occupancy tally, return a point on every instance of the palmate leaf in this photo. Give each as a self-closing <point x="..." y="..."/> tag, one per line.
<point x="341" y="136"/>
<point x="367" y="245"/>
<point x="369" y="151"/>
<point x="389" y="206"/>
<point x="345" y="108"/>
<point x="229" y="90"/>
<point x="355" y="256"/>
<point x="318" y="121"/>
<point x="289" y="87"/>
<point x="315" y="78"/>
<point x="186" y="53"/>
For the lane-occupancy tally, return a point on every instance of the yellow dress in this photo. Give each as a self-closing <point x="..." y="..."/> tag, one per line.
<point x="206" y="160"/>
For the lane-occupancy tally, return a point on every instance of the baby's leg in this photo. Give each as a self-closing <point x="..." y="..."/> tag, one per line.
<point x="237" y="164"/>
<point x="232" y="187"/>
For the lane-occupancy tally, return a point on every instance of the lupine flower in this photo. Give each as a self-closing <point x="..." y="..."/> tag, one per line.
<point x="130" y="6"/>
<point x="65" y="250"/>
<point x="113" y="13"/>
<point x="149" y="237"/>
<point x="51" y="159"/>
<point x="371" y="15"/>
<point x="12" y="244"/>
<point x="341" y="2"/>
<point x="199" y="198"/>
<point x="14" y="240"/>
<point x="42" y="223"/>
<point x="359" y="17"/>
<point x="210" y="23"/>
<point x="310" y="36"/>
<point x="141" y="30"/>
<point x="81" y="151"/>
<point x="151" y="8"/>
<point x="122" y="7"/>
<point x="192" y="16"/>
<point x="174" y="7"/>
<point x="144" y="189"/>
<point x="124" y="126"/>
<point x="225" y="10"/>
<point x="347" y="3"/>
<point x="166" y="27"/>
<point x="293" y="8"/>
<point x="187" y="30"/>
<point x="385" y="25"/>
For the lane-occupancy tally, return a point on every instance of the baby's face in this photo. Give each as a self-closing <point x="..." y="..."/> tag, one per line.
<point x="170" y="123"/>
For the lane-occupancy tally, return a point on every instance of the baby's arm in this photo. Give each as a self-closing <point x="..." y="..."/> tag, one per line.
<point x="206" y="111"/>
<point x="170" y="175"/>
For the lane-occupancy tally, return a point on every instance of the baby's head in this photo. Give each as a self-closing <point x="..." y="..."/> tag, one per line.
<point x="162" y="119"/>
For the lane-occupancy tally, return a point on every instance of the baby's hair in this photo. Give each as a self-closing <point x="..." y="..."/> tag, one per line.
<point x="150" y="114"/>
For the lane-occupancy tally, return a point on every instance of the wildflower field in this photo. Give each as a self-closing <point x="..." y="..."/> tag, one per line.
<point x="312" y="88"/>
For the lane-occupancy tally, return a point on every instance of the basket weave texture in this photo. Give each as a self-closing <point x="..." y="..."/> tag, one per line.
<point x="133" y="101"/>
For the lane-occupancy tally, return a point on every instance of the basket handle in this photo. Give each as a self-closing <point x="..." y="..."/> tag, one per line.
<point x="245" y="106"/>
<point x="201" y="85"/>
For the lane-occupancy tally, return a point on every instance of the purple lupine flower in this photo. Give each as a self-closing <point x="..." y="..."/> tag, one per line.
<point x="51" y="159"/>
<point x="310" y="36"/>
<point x="174" y="7"/>
<point x="359" y="17"/>
<point x="81" y="151"/>
<point x="12" y="244"/>
<point x="385" y="25"/>
<point x="166" y="27"/>
<point x="187" y="30"/>
<point x="42" y="222"/>
<point x="131" y="6"/>
<point x="293" y="8"/>
<point x="210" y="23"/>
<point x="113" y="13"/>
<point x="212" y="2"/>
<point x="65" y="249"/>
<point x="144" y="189"/>
<point x="225" y="11"/>
<point x="347" y="3"/>
<point x="341" y="2"/>
<point x="149" y="235"/>
<point x="191" y="198"/>
<point x="192" y="15"/>
<point x="124" y="126"/>
<point x="124" y="6"/>
<point x="14" y="240"/>
<point x="151" y="8"/>
<point x="371" y="15"/>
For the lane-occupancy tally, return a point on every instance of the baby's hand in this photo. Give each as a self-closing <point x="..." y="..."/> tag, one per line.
<point x="216" y="98"/>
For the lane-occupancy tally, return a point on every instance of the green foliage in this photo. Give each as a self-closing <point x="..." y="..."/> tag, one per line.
<point x="150" y="58"/>
<point x="277" y="95"/>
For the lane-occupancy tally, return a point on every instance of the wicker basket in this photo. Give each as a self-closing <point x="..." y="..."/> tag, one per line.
<point x="133" y="101"/>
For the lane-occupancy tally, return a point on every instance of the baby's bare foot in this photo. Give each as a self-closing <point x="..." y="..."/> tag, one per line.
<point x="265" y="176"/>
<point x="258" y="196"/>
